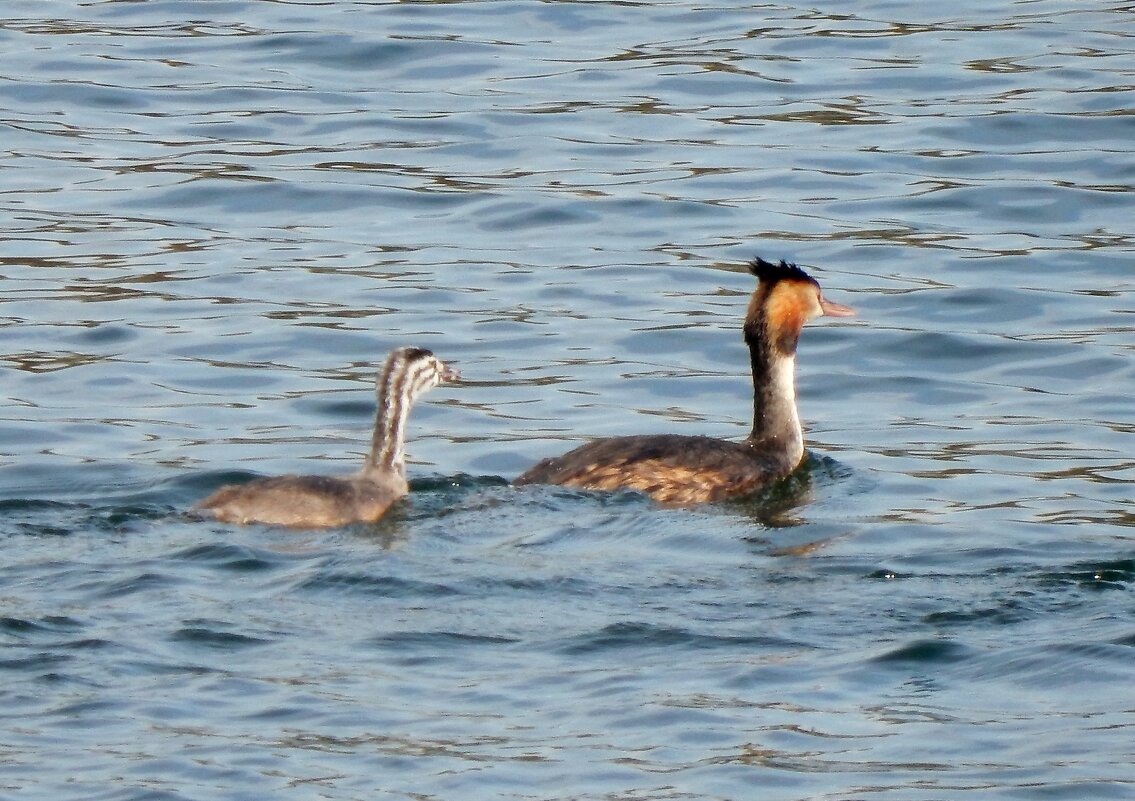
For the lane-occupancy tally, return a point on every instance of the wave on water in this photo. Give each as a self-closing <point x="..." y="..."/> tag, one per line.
<point x="634" y="636"/>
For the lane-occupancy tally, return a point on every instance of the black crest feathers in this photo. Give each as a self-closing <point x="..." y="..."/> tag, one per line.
<point x="413" y="354"/>
<point x="783" y="271"/>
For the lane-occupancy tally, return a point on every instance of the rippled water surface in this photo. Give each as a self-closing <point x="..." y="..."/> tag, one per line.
<point x="217" y="217"/>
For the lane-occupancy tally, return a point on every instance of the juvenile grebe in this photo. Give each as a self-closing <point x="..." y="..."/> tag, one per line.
<point x="681" y="470"/>
<point x="325" y="501"/>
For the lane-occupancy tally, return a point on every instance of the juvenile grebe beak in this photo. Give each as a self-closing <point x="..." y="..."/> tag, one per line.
<point x="449" y="373"/>
<point x="836" y="309"/>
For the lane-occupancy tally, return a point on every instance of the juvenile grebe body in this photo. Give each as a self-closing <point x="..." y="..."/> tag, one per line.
<point x="326" y="501"/>
<point x="684" y="470"/>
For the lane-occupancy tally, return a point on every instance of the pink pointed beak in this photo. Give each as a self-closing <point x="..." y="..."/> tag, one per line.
<point x="450" y="373"/>
<point x="836" y="309"/>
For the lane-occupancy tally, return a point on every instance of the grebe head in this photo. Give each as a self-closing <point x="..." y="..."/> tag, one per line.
<point x="785" y="299"/>
<point x="418" y="370"/>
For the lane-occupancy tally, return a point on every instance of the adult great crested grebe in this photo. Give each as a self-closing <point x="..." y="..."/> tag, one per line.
<point x="682" y="470"/>
<point x="326" y="501"/>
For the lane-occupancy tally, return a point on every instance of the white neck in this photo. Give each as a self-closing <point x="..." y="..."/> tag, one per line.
<point x="776" y="421"/>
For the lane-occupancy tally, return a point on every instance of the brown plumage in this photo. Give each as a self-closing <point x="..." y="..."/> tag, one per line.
<point x="684" y="470"/>
<point x="305" y="501"/>
<point x="326" y="501"/>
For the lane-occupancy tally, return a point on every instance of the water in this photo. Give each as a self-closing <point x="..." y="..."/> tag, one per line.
<point x="219" y="216"/>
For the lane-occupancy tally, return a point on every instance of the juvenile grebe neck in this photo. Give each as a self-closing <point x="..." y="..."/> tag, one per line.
<point x="689" y="469"/>
<point x="407" y="374"/>
<point x="324" y="501"/>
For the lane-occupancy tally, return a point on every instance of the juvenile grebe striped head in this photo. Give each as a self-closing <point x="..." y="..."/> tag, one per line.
<point x="407" y="374"/>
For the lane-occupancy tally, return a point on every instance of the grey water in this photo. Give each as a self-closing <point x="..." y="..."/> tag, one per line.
<point x="217" y="218"/>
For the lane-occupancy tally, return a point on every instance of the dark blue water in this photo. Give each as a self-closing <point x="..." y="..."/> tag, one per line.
<point x="218" y="217"/>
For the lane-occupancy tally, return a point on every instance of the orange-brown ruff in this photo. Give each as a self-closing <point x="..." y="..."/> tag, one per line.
<point x="684" y="470"/>
<point x="325" y="501"/>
